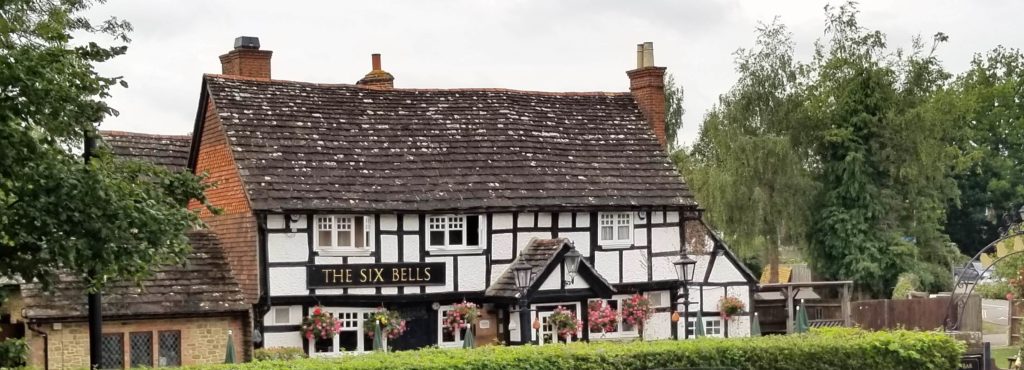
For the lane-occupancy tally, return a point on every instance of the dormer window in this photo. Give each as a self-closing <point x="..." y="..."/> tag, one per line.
<point x="454" y="233"/>
<point x="343" y="235"/>
<point x="615" y="229"/>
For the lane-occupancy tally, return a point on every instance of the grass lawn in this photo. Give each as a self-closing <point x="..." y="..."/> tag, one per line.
<point x="1001" y="353"/>
<point x="990" y="328"/>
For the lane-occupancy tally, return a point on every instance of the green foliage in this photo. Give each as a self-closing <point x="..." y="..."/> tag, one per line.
<point x="673" y="110"/>
<point x="1009" y="267"/>
<point x="832" y="349"/>
<point x="984" y="103"/>
<point x="103" y="221"/>
<point x="905" y="284"/>
<point x="13" y="353"/>
<point x="994" y="290"/>
<point x="278" y="354"/>
<point x="934" y="278"/>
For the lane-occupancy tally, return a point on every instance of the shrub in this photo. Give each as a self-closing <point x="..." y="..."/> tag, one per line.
<point x="13" y="353"/>
<point x="278" y="353"/>
<point x="831" y="349"/>
<point x="934" y="278"/>
<point x="993" y="290"/>
<point x="906" y="283"/>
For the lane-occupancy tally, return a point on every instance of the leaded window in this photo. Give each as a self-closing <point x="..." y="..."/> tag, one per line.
<point x="343" y="232"/>
<point x="453" y="231"/>
<point x="170" y="348"/>
<point x="141" y="349"/>
<point x="112" y="351"/>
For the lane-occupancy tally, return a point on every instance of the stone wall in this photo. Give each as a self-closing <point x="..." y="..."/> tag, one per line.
<point x="203" y="340"/>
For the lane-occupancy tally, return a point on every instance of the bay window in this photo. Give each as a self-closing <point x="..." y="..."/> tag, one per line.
<point x="622" y="329"/>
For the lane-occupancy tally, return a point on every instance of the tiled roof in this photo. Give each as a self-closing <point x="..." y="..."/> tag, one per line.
<point x="203" y="285"/>
<point x="302" y="146"/>
<point x="539" y="254"/>
<point x="170" y="151"/>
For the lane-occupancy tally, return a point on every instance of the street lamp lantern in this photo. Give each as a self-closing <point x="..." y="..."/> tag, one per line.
<point x="523" y="273"/>
<point x="571" y="263"/>
<point x="685" y="268"/>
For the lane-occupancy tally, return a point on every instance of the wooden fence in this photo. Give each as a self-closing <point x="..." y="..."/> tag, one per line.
<point x="918" y="313"/>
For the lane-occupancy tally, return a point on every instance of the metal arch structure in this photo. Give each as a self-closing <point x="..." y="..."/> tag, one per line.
<point x="961" y="300"/>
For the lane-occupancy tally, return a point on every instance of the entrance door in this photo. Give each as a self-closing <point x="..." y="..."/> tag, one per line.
<point x="548" y="334"/>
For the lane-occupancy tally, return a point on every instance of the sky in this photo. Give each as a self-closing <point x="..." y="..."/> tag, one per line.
<point x="545" y="45"/>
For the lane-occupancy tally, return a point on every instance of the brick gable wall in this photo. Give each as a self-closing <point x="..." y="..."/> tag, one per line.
<point x="236" y="226"/>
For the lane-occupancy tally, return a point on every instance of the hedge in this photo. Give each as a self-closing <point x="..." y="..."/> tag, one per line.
<point x="831" y="349"/>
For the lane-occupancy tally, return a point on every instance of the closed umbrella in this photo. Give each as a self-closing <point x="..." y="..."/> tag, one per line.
<point x="698" y="326"/>
<point x="378" y="337"/>
<point x="802" y="325"/>
<point x="755" y="326"/>
<point x="470" y="340"/>
<point x="229" y="357"/>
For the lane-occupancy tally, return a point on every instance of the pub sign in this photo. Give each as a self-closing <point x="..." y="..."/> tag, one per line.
<point x="375" y="275"/>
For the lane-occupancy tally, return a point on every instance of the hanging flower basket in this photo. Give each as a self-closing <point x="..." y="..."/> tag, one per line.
<point x="565" y="323"/>
<point x="391" y="323"/>
<point x="461" y="316"/>
<point x="603" y="318"/>
<point x="320" y="325"/>
<point x="729" y="306"/>
<point x="636" y="311"/>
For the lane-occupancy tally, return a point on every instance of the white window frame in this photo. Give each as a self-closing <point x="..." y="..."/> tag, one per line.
<point x="441" y="312"/>
<point x="334" y="222"/>
<point x="548" y="310"/>
<point x="362" y="313"/>
<point x="615" y="220"/>
<point x="620" y="325"/>
<point x="711" y="332"/>
<point x="446" y="223"/>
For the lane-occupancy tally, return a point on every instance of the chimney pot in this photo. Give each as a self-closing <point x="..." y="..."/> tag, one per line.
<point x="647" y="84"/>
<point x="247" y="42"/>
<point x="376" y="61"/>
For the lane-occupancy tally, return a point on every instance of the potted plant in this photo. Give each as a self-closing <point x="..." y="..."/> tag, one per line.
<point x="565" y="323"/>
<point x="463" y="316"/>
<point x="729" y="306"/>
<point x="636" y="311"/>
<point x="602" y="317"/>
<point x="320" y="325"/>
<point x="388" y="323"/>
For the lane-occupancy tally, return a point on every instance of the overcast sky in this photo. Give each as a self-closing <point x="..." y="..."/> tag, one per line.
<point x="533" y="45"/>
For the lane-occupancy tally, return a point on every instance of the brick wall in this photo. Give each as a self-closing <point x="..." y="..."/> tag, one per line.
<point x="203" y="340"/>
<point x="236" y="226"/>
<point x="648" y="88"/>
<point x="246" y="62"/>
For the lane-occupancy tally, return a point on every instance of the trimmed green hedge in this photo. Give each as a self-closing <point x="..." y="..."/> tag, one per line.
<point x="831" y="349"/>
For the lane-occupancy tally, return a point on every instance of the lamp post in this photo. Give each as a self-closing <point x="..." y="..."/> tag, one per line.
<point x="684" y="270"/>
<point x="524" y="275"/>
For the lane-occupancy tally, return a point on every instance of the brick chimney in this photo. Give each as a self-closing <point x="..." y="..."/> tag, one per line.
<point x="377" y="78"/>
<point x="246" y="59"/>
<point x="647" y="84"/>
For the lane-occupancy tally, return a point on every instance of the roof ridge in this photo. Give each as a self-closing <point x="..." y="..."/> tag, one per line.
<point x="143" y="134"/>
<point x="457" y="89"/>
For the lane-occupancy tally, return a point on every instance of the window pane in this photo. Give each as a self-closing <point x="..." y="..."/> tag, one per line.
<point x="623" y="233"/>
<point x="359" y="233"/>
<point x="437" y="238"/>
<point x="345" y="238"/>
<point x="606" y="233"/>
<point x="324" y="238"/>
<point x="141" y="344"/>
<point x="282" y="315"/>
<point x="473" y="230"/>
<point x="170" y="348"/>
<point x="112" y="351"/>
<point x="455" y="237"/>
<point x="325" y="345"/>
<point x="348" y="340"/>
<point x="455" y="222"/>
<point x="436" y="223"/>
<point x="368" y="235"/>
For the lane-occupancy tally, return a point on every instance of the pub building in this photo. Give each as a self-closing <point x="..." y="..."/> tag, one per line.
<point x="356" y="196"/>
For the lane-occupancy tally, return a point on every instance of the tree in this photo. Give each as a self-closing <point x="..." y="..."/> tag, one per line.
<point x="985" y="103"/>
<point x="108" y="220"/>
<point x="673" y="111"/>
<point x="883" y="165"/>
<point x="745" y="168"/>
